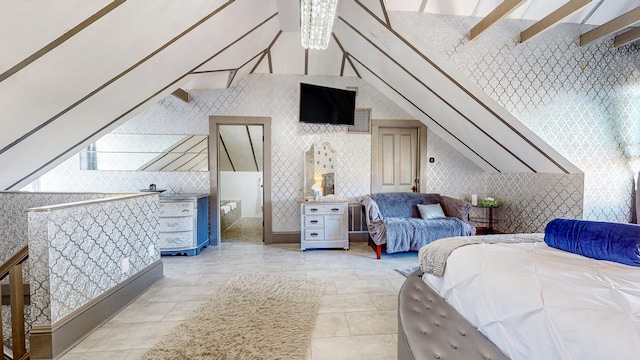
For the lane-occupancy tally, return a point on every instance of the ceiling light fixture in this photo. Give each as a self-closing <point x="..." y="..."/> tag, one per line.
<point x="316" y="22"/>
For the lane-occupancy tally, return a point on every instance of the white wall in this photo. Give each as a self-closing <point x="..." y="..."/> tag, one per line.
<point x="244" y="186"/>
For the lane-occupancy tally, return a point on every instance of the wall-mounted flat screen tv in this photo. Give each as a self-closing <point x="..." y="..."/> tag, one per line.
<point x="324" y="105"/>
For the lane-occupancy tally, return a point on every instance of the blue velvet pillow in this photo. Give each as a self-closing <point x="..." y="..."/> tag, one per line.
<point x="617" y="242"/>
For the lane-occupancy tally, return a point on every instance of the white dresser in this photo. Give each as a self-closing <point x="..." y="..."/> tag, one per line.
<point x="324" y="224"/>
<point x="184" y="224"/>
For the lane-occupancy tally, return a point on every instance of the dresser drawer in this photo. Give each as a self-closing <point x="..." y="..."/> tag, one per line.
<point x="176" y="208"/>
<point x="325" y="209"/>
<point x="176" y="224"/>
<point x="314" y="234"/>
<point x="313" y="220"/>
<point x="176" y="240"/>
<point x="313" y="209"/>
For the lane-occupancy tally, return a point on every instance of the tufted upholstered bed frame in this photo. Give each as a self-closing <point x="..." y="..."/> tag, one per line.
<point x="429" y="328"/>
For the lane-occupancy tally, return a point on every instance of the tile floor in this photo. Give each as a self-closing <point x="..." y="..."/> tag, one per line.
<point x="357" y="317"/>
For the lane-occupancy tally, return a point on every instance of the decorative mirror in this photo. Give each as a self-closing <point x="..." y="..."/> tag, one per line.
<point x="147" y="153"/>
<point x="319" y="170"/>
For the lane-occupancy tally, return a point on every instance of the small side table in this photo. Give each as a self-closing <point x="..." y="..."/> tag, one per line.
<point x="324" y="223"/>
<point x="489" y="220"/>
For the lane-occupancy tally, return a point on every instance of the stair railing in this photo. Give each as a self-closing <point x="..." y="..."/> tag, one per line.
<point x="13" y="268"/>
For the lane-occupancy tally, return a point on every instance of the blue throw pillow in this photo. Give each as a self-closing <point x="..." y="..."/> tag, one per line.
<point x="617" y="242"/>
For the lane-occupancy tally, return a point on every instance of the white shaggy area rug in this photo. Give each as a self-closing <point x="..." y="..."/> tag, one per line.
<point x="253" y="316"/>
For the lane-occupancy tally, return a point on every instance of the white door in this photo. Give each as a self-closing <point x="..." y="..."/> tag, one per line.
<point x="397" y="165"/>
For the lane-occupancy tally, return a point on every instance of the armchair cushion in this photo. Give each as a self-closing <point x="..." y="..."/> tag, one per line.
<point x="455" y="207"/>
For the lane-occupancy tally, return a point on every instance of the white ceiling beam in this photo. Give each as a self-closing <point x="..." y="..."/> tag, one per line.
<point x="499" y="13"/>
<point x="475" y="9"/>
<point x="619" y="23"/>
<point x="591" y="12"/>
<point x="552" y="19"/>
<point x="627" y="37"/>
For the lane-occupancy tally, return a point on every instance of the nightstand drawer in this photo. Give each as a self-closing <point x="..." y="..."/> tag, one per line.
<point x="177" y="208"/>
<point x="176" y="224"/>
<point x="176" y="240"/>
<point x="312" y="220"/>
<point x="313" y="209"/>
<point x="314" y="234"/>
<point x="325" y="209"/>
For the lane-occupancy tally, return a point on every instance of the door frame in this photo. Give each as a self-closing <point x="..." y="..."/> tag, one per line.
<point x="421" y="162"/>
<point x="214" y="190"/>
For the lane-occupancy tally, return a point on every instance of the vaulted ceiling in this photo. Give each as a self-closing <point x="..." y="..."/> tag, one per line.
<point x="70" y="71"/>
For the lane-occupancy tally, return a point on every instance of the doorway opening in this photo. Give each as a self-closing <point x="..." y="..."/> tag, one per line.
<point x="240" y="173"/>
<point x="240" y="196"/>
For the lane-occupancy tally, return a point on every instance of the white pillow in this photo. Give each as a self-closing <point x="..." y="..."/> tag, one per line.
<point x="431" y="211"/>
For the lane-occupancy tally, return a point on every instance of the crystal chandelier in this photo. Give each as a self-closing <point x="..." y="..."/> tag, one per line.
<point x="316" y="22"/>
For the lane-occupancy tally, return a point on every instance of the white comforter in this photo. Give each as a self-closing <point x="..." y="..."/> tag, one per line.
<point x="537" y="302"/>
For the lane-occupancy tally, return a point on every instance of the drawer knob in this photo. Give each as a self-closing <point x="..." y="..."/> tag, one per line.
<point x="335" y="209"/>
<point x="314" y="234"/>
<point x="314" y="221"/>
<point x="313" y="209"/>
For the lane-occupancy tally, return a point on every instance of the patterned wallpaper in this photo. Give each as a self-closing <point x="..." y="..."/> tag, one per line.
<point x="255" y="95"/>
<point x="583" y="101"/>
<point x="13" y="222"/>
<point x="14" y="235"/>
<point x="527" y="201"/>
<point x="80" y="251"/>
<point x="76" y="252"/>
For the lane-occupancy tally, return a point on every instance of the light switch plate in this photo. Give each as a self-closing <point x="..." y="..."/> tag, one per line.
<point x="124" y="266"/>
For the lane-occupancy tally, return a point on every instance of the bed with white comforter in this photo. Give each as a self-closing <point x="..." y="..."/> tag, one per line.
<point x="539" y="303"/>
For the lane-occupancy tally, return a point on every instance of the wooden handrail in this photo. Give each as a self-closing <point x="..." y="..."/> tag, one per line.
<point x="13" y="268"/>
<point x="17" y="258"/>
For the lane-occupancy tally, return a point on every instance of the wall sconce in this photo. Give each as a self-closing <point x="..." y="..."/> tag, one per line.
<point x="316" y="21"/>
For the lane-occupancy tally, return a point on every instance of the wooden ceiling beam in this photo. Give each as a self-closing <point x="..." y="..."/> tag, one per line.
<point x="500" y="12"/>
<point x="627" y="37"/>
<point x="552" y="19"/>
<point x="181" y="94"/>
<point x="619" y="23"/>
